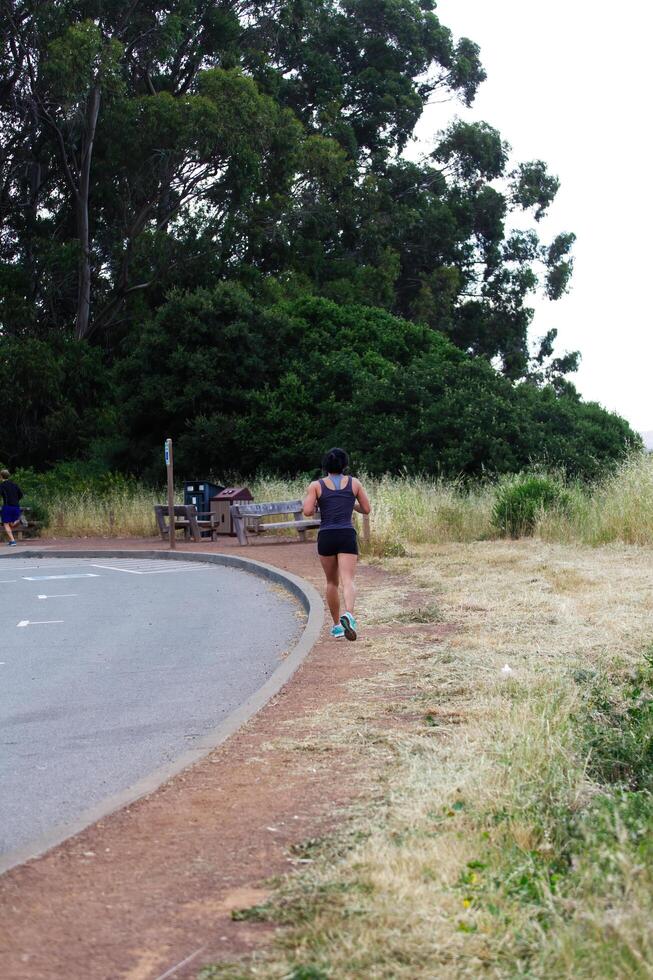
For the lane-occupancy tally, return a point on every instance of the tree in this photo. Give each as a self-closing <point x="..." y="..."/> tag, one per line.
<point x="133" y="124"/>
<point x="81" y="66"/>
<point x="188" y="183"/>
<point x="112" y="122"/>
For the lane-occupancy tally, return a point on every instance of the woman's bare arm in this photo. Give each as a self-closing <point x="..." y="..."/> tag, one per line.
<point x="310" y="500"/>
<point x="362" y="505"/>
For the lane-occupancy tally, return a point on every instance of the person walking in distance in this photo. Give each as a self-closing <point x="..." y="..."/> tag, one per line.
<point x="11" y="494"/>
<point x="337" y="496"/>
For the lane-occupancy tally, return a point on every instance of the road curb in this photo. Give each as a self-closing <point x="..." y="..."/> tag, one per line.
<point x="298" y="587"/>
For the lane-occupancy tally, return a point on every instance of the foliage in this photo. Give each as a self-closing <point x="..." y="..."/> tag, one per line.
<point x="183" y="188"/>
<point x="407" y="510"/>
<point x="619" y="732"/>
<point x="54" y="398"/>
<point x="71" y="478"/>
<point x="520" y="502"/>
<point x="185" y="143"/>
<point x="397" y="394"/>
<point x="617" y="508"/>
<point x="38" y="511"/>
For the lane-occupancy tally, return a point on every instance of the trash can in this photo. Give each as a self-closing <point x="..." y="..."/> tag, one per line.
<point x="221" y="507"/>
<point x="200" y="494"/>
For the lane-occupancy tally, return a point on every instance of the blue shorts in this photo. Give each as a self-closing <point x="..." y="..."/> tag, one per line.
<point x="337" y="541"/>
<point x="10" y="514"/>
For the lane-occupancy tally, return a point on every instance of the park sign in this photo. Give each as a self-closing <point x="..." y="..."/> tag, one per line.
<point x="167" y="455"/>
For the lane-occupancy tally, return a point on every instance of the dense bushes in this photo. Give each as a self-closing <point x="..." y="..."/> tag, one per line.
<point x="243" y="387"/>
<point x="72" y="478"/>
<point x="55" y="399"/>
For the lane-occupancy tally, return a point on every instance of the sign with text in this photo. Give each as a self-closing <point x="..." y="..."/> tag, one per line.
<point x="167" y="455"/>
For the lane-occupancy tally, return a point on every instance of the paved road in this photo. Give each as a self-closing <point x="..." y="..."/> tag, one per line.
<point x="111" y="667"/>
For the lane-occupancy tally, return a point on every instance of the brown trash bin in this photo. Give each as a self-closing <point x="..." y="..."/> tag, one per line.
<point x="221" y="508"/>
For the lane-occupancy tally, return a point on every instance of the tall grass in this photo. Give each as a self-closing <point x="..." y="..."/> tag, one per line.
<point x="407" y="510"/>
<point x="119" y="513"/>
<point x="412" y="510"/>
<point x="620" y="508"/>
<point x="419" y="510"/>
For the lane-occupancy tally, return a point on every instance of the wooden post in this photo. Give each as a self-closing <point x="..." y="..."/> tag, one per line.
<point x="366" y="530"/>
<point x="239" y="525"/>
<point x="171" y="493"/>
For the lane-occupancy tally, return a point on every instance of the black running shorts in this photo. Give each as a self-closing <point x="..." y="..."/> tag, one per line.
<point x="339" y="541"/>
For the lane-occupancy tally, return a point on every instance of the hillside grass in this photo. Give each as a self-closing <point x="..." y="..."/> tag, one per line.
<point x="407" y="511"/>
<point x="505" y="826"/>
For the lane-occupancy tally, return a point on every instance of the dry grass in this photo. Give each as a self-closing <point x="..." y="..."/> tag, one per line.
<point x="618" y="509"/>
<point x="407" y="511"/>
<point x="122" y="513"/>
<point x="471" y="777"/>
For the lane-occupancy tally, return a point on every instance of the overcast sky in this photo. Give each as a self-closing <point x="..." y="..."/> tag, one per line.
<point x="568" y="82"/>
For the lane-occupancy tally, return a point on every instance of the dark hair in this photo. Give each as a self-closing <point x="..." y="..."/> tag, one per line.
<point x="335" y="461"/>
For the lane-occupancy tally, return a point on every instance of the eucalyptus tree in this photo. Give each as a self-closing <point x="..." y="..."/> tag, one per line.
<point x="120" y="119"/>
<point x="115" y="116"/>
<point x="146" y="145"/>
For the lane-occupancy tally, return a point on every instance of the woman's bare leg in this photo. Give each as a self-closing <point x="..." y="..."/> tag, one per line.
<point x="347" y="568"/>
<point x="330" y="566"/>
<point x="8" y="531"/>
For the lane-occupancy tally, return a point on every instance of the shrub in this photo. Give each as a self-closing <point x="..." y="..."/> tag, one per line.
<point x="251" y="387"/>
<point x="69" y="479"/>
<point x="520" y="502"/>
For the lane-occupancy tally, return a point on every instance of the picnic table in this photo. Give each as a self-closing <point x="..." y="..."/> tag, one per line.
<point x="186" y="519"/>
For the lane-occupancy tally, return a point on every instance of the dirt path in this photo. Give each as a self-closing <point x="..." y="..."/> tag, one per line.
<point x="154" y="884"/>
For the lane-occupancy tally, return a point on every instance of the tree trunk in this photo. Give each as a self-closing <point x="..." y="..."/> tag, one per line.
<point x="83" y="318"/>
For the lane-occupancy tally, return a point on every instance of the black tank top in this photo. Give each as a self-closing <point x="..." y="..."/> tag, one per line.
<point x="336" y="506"/>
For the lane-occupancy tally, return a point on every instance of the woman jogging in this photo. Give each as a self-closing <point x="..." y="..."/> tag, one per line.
<point x="337" y="496"/>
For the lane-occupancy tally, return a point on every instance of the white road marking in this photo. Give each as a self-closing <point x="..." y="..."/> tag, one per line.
<point x="113" y="568"/>
<point x="42" y="578"/>
<point x="8" y="581"/>
<point x="65" y="595"/>
<point x="38" y="622"/>
<point x="155" y="571"/>
<point x="165" y="571"/>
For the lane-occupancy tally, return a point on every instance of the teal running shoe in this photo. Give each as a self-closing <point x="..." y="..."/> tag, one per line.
<point x="349" y="625"/>
<point x="337" y="632"/>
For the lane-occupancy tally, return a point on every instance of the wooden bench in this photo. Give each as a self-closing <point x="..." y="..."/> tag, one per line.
<point x="30" y="529"/>
<point x="248" y="518"/>
<point x="186" y="520"/>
